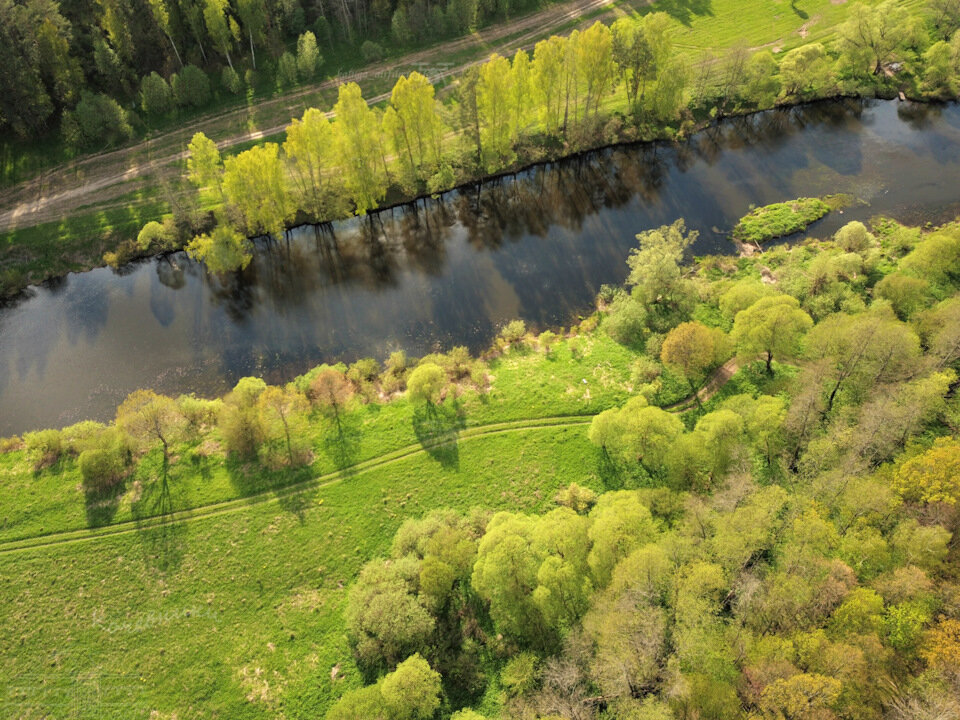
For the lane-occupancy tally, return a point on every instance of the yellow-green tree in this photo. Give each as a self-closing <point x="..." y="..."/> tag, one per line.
<point x="358" y="143"/>
<point x="932" y="476"/>
<point x="547" y="71"/>
<point x="493" y="106"/>
<point x="773" y="326"/>
<point x="414" y="124"/>
<point x="204" y="167"/>
<point x="595" y="61"/>
<point x="691" y="350"/>
<point x="222" y="250"/>
<point x="521" y="94"/>
<point x="310" y="147"/>
<point x="255" y="182"/>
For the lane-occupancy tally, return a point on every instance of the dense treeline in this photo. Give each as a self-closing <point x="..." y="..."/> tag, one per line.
<point x="83" y="65"/>
<point x="607" y="83"/>
<point x="785" y="555"/>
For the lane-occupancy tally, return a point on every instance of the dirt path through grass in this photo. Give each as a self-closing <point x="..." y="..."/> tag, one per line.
<point x="718" y="378"/>
<point x="104" y="177"/>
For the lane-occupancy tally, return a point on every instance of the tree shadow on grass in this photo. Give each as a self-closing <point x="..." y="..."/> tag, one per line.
<point x="162" y="535"/>
<point x="802" y="14"/>
<point x="101" y="505"/>
<point x="437" y="428"/>
<point x="296" y="502"/>
<point x="683" y="10"/>
<point x="609" y="471"/>
<point x="341" y="441"/>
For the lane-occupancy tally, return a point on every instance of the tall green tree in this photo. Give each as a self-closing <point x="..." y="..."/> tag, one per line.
<point x="548" y="77"/>
<point x="310" y="144"/>
<point x="595" y="60"/>
<point x="357" y="135"/>
<point x="255" y="182"/>
<point x="219" y="26"/>
<point x="253" y="15"/>
<point x="161" y="15"/>
<point x="773" y="325"/>
<point x="204" y="166"/>
<point x="493" y="106"/>
<point x="415" y="124"/>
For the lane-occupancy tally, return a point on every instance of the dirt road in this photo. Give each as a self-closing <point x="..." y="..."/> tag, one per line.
<point x="102" y="178"/>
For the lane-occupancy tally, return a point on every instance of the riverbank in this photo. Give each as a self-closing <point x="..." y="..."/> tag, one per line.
<point x="51" y="250"/>
<point x="538" y="246"/>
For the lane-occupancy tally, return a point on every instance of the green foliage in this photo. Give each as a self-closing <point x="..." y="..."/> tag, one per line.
<point x="778" y="220"/>
<point x="309" y="59"/>
<point x="223" y="250"/>
<point x="98" y="120"/>
<point x="191" y="87"/>
<point x="43" y="447"/>
<point x="412" y="691"/>
<point x="155" y="95"/>
<point x="426" y="382"/>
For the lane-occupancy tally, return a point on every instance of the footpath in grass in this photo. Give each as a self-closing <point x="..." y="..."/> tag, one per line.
<point x="240" y="614"/>
<point x="578" y="378"/>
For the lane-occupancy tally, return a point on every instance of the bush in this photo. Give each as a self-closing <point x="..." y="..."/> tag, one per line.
<point x="44" y="447"/>
<point x="191" y="87"/>
<point x="513" y="332"/>
<point x="198" y="411"/>
<point x="426" y="382"/>
<point x="645" y="370"/>
<point x="97" y="120"/>
<point x="239" y="418"/>
<point x="627" y="320"/>
<point x="371" y="51"/>
<point x="155" y="96"/>
<point x="519" y="675"/>
<point x="102" y="465"/>
<point x="10" y="444"/>
<point x="78" y="437"/>
<point x="286" y="71"/>
<point x="231" y="81"/>
<point x="579" y="499"/>
<point x="157" y="237"/>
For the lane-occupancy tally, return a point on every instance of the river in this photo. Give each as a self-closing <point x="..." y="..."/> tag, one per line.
<point x="447" y="272"/>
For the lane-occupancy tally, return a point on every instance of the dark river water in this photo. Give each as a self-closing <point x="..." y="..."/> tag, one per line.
<point x="451" y="271"/>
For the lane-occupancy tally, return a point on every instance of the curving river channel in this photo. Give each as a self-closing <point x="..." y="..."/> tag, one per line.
<point x="450" y="271"/>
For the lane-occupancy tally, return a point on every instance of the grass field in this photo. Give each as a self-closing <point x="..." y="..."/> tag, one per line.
<point x="233" y="610"/>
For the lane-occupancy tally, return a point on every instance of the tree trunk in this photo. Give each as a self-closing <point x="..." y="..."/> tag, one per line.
<point x="175" y="51"/>
<point x="253" y="53"/>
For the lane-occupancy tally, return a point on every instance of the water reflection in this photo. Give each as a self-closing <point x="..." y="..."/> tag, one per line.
<point x="537" y="245"/>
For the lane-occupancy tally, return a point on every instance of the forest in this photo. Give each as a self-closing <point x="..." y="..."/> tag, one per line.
<point x="751" y="510"/>
<point x="62" y="64"/>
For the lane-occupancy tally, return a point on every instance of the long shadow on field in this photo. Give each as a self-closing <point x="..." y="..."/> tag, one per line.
<point x="684" y="10"/>
<point x="101" y="504"/>
<point x="161" y="535"/>
<point x="341" y="441"/>
<point x="437" y="428"/>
